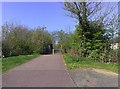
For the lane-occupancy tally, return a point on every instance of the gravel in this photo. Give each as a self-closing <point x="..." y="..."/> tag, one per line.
<point x="93" y="78"/>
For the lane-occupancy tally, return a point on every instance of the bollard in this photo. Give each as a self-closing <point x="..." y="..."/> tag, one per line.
<point x="53" y="51"/>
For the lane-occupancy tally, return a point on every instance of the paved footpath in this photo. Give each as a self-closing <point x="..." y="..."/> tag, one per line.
<point x="44" y="71"/>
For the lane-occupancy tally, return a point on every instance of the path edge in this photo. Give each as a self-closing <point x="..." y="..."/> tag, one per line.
<point x="67" y="70"/>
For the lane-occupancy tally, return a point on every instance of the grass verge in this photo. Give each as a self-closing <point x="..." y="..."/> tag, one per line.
<point x="89" y="64"/>
<point x="11" y="62"/>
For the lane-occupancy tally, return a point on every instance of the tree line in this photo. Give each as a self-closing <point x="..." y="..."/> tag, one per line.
<point x="20" y="40"/>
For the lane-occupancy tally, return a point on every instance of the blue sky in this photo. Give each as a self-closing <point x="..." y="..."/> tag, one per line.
<point x="33" y="14"/>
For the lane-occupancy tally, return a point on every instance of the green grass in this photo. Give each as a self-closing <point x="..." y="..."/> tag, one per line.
<point x="11" y="62"/>
<point x="89" y="64"/>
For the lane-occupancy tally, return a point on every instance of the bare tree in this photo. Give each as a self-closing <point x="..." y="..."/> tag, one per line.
<point x="90" y="11"/>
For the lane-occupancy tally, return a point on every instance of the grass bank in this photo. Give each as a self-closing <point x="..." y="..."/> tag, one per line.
<point x="11" y="62"/>
<point x="71" y="64"/>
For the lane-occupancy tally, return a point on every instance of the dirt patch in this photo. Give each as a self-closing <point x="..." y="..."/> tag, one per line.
<point x="106" y="72"/>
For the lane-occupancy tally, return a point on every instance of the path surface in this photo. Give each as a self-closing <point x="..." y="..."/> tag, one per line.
<point x="44" y="71"/>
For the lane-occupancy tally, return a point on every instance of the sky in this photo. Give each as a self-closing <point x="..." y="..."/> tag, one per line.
<point x="34" y="14"/>
<point x="43" y="14"/>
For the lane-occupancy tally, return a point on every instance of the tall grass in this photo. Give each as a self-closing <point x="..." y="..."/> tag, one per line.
<point x="86" y="63"/>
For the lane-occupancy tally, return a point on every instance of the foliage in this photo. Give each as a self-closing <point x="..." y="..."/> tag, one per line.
<point x="94" y="46"/>
<point x="40" y="40"/>
<point x="20" y="40"/>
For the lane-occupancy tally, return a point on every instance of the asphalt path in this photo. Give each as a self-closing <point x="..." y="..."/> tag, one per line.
<point x="44" y="71"/>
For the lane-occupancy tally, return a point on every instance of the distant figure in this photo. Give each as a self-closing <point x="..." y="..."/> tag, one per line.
<point x="49" y="47"/>
<point x="52" y="49"/>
